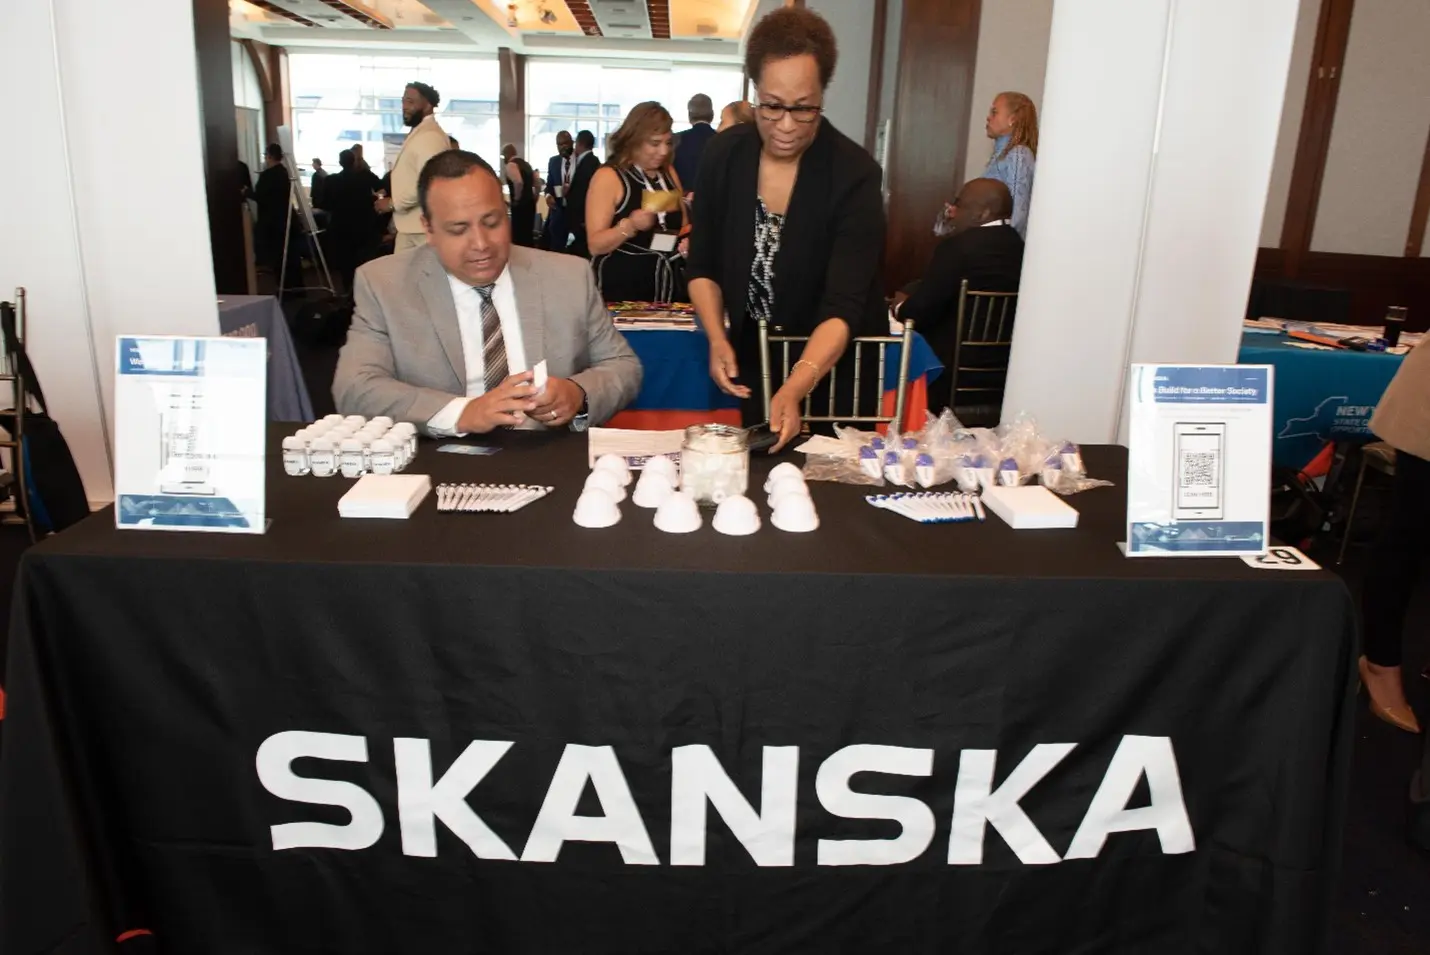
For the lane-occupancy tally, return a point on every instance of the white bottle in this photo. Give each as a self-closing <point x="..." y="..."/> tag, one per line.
<point x="399" y="451"/>
<point x="383" y="457"/>
<point x="350" y="458"/>
<point x="383" y="420"/>
<point x="356" y="420"/>
<point x="333" y="419"/>
<point x="322" y="461"/>
<point x="409" y="436"/>
<point x="295" y="456"/>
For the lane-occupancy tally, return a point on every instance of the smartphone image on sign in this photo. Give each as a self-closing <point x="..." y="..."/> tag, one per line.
<point x="1197" y="471"/>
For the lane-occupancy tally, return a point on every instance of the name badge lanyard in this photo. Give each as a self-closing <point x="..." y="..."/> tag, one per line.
<point x="660" y="179"/>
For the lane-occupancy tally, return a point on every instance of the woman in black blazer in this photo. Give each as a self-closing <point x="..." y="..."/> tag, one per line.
<point x="789" y="226"/>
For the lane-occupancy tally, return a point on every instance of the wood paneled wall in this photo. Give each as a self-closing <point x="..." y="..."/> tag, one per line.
<point x="215" y="70"/>
<point x="928" y="142"/>
<point x="1374" y="281"/>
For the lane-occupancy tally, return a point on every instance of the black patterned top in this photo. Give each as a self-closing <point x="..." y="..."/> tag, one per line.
<point x="761" y="297"/>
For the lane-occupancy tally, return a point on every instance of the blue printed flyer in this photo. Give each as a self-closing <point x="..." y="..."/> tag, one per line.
<point x="190" y="422"/>
<point x="1199" y="460"/>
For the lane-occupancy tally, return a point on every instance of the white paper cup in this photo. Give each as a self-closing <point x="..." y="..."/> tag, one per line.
<point x="781" y="471"/>
<point x="678" y="514"/>
<point x="736" y="516"/>
<point x="795" y="514"/>
<point x="616" y="465"/>
<point x="596" y="509"/>
<point x="664" y="466"/>
<point x="652" y="490"/>
<point x="608" y="481"/>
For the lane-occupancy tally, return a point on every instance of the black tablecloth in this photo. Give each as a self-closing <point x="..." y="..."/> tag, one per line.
<point x="169" y="695"/>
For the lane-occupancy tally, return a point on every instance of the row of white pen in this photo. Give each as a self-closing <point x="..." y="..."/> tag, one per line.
<point x="933" y="507"/>
<point x="488" y="498"/>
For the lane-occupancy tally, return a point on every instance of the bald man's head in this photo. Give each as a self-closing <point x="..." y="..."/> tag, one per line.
<point x="980" y="201"/>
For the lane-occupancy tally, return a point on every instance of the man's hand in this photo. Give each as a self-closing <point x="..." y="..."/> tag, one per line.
<point x="502" y="407"/>
<point x="899" y="299"/>
<point x="383" y="205"/>
<point x="785" y="418"/>
<point x="561" y="402"/>
<point x="724" y="368"/>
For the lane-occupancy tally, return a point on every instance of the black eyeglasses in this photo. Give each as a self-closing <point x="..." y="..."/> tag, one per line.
<point x="774" y="112"/>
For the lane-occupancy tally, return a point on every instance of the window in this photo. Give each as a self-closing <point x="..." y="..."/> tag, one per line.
<point x="340" y="100"/>
<point x="574" y="95"/>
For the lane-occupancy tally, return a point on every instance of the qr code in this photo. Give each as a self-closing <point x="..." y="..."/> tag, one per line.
<point x="1199" y="468"/>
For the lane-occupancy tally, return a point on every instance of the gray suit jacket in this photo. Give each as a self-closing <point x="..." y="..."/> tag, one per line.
<point x="403" y="357"/>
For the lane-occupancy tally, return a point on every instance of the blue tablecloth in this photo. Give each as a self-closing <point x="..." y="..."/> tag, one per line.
<point x="677" y="370"/>
<point x="258" y="316"/>
<point x="1320" y="395"/>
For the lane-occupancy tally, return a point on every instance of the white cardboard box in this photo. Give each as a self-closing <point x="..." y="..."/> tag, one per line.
<point x="1029" y="507"/>
<point x="392" y="496"/>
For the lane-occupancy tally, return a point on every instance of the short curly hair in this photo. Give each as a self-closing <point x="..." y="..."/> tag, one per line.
<point x="792" y="31"/>
<point x="426" y="92"/>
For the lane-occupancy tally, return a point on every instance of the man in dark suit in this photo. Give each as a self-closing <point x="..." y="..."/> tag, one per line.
<point x="692" y="141"/>
<point x="586" y="166"/>
<point x="558" y="186"/>
<point x="982" y="247"/>
<point x="353" y="224"/>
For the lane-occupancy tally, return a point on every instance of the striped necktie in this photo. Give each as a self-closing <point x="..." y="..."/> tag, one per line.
<point x="493" y="344"/>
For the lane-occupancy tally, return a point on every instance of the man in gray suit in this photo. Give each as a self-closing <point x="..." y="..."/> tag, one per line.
<point x="445" y="335"/>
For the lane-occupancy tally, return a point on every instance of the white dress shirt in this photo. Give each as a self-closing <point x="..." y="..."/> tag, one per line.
<point x="469" y="322"/>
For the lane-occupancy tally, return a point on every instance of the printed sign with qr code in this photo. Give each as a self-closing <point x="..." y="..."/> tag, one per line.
<point x="1198" y="467"/>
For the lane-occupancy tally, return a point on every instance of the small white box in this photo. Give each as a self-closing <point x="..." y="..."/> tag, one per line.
<point x="1029" y="507"/>
<point x="393" y="496"/>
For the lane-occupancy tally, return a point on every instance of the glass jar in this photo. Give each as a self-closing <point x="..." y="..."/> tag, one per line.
<point x="322" y="459"/>
<point x="295" y="455"/>
<point x="383" y="459"/>
<point x="714" y="463"/>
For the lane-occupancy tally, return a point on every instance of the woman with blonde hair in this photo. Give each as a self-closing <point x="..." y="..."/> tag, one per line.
<point x="634" y="212"/>
<point x="1013" y="127"/>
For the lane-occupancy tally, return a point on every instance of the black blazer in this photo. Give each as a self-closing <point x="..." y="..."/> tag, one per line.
<point x="831" y="251"/>
<point x="586" y="166"/>
<point x="688" y="152"/>
<point x="991" y="259"/>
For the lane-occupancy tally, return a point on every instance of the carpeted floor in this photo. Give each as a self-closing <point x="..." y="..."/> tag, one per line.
<point x="1383" y="907"/>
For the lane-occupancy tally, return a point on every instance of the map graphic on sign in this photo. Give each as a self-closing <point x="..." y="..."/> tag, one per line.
<point x="1318" y="423"/>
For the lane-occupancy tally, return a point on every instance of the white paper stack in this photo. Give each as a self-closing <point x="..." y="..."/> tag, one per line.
<point x="385" y="495"/>
<point x="1029" y="507"/>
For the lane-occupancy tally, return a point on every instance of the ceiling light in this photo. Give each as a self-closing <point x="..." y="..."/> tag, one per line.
<point x="547" y="16"/>
<point x="511" y="20"/>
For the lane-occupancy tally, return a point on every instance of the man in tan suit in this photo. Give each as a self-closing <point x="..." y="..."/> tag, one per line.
<point x="445" y="336"/>
<point x="419" y="104"/>
<point x="1402" y="420"/>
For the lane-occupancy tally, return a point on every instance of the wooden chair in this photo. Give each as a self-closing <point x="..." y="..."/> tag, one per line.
<point x="829" y="413"/>
<point x="981" y="348"/>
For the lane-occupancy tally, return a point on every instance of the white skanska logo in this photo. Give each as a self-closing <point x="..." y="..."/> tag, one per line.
<point x="699" y="782"/>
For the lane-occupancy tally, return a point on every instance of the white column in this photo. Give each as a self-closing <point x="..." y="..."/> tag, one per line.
<point x="106" y="222"/>
<point x="1159" y="126"/>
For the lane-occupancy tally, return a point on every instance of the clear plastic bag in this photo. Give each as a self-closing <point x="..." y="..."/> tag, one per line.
<point x="840" y="469"/>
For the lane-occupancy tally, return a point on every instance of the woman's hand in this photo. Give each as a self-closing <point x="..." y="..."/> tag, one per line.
<point x="724" y="368"/>
<point x="785" y="419"/>
<point x="642" y="220"/>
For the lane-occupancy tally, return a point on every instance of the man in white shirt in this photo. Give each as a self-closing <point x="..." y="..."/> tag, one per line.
<point x="419" y="104"/>
<point x="446" y="336"/>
